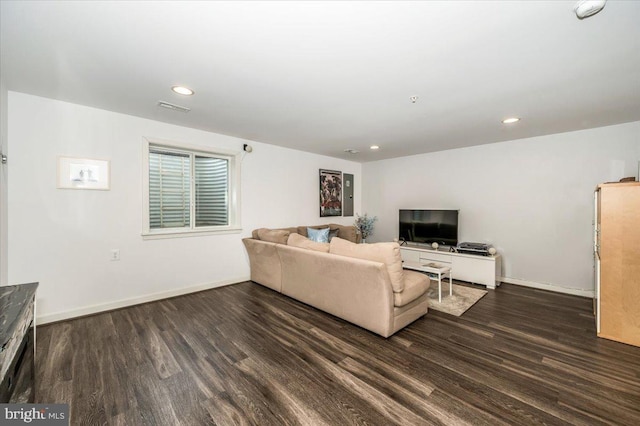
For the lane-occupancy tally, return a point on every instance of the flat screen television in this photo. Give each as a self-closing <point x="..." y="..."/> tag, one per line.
<point x="429" y="226"/>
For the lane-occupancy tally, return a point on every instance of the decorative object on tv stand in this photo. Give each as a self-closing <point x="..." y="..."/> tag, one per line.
<point x="330" y="193"/>
<point x="364" y="224"/>
<point x="435" y="245"/>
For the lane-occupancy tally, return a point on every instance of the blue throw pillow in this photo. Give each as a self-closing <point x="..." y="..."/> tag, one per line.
<point x="318" y="235"/>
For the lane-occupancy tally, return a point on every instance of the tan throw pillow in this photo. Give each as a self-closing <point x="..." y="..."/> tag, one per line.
<point x="297" y="240"/>
<point x="387" y="253"/>
<point x="273" y="235"/>
<point x="348" y="233"/>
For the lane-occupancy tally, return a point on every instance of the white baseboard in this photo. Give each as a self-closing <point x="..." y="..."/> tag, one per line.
<point x="550" y="287"/>
<point x="123" y="303"/>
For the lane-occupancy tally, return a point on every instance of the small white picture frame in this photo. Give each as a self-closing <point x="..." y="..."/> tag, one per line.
<point x="83" y="173"/>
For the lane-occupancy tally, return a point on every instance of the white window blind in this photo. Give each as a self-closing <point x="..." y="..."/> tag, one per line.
<point x="169" y="189"/>
<point x="212" y="191"/>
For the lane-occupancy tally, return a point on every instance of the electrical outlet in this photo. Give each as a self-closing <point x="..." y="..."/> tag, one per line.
<point x="115" y="254"/>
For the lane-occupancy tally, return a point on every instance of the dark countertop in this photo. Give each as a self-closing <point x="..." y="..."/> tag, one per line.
<point x="13" y="300"/>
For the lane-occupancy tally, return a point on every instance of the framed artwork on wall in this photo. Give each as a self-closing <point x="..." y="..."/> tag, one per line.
<point x="330" y="193"/>
<point x="83" y="173"/>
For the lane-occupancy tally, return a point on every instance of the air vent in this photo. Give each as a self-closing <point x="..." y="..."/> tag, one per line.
<point x="351" y="151"/>
<point x="174" y="107"/>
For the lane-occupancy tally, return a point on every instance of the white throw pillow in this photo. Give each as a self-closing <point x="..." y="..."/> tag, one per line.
<point x="318" y="235"/>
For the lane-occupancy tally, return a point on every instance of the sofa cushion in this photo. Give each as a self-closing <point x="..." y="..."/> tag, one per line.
<point x="273" y="235"/>
<point x="297" y="240"/>
<point x="254" y="233"/>
<point x="349" y="233"/>
<point x="415" y="285"/>
<point x="387" y="253"/>
<point x="318" y="235"/>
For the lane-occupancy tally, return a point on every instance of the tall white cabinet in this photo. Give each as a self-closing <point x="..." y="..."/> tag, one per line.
<point x="617" y="261"/>
<point x="475" y="269"/>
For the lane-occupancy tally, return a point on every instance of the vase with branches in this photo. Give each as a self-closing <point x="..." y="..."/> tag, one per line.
<point x="364" y="225"/>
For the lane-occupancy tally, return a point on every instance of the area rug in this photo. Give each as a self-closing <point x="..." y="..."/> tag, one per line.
<point x="462" y="299"/>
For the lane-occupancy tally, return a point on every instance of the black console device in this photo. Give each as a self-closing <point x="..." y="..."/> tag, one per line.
<point x="481" y="249"/>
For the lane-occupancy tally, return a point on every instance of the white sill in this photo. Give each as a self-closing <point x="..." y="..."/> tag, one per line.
<point x="157" y="235"/>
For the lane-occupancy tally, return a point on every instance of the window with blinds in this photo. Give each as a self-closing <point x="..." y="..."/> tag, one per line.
<point x="189" y="190"/>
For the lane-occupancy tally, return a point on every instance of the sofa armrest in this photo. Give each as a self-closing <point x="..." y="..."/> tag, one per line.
<point x="264" y="263"/>
<point x="356" y="290"/>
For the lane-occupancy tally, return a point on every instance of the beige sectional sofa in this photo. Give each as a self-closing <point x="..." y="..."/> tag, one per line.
<point x="360" y="283"/>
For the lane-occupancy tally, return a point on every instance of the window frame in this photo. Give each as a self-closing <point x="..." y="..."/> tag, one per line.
<point x="233" y="158"/>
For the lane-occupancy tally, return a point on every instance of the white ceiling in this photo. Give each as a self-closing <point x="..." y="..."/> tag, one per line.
<point x="326" y="76"/>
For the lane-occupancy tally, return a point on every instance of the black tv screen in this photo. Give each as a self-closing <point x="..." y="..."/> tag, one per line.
<point x="429" y="226"/>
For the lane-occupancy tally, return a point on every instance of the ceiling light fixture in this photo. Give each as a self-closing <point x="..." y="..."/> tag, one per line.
<point x="510" y="120"/>
<point x="182" y="90"/>
<point x="374" y="147"/>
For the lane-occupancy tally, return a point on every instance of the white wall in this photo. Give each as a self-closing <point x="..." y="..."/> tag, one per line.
<point x="3" y="183"/>
<point x="62" y="238"/>
<point x="531" y="198"/>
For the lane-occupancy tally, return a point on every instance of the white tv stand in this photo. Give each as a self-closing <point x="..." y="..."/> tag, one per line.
<point x="465" y="267"/>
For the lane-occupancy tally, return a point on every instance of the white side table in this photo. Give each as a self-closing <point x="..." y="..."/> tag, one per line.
<point x="440" y="271"/>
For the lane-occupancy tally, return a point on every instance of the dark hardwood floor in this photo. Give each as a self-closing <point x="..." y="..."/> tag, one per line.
<point x="244" y="354"/>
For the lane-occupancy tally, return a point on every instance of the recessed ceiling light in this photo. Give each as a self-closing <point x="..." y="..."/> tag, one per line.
<point x="510" y="120"/>
<point x="374" y="147"/>
<point x="183" y="90"/>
